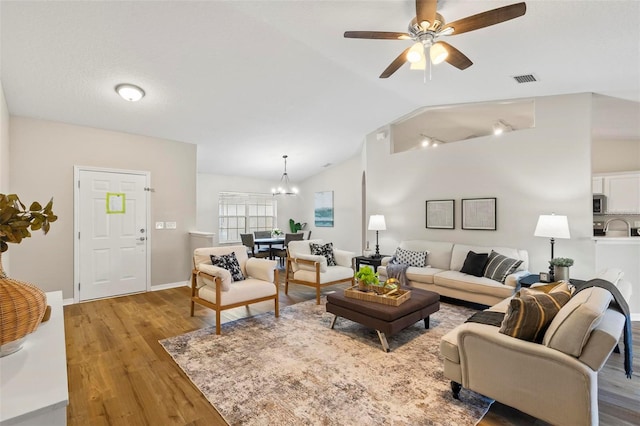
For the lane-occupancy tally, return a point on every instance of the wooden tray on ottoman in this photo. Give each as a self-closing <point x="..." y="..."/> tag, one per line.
<point x="395" y="299"/>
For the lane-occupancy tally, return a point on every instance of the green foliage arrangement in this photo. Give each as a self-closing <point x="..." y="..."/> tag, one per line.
<point x="367" y="276"/>
<point x="296" y="226"/>
<point x="561" y="261"/>
<point x="16" y="220"/>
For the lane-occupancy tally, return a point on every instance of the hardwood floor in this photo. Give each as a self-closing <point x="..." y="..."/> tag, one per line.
<point x="120" y="375"/>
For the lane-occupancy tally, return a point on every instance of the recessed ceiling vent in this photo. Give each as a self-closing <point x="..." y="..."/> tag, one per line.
<point x="527" y="78"/>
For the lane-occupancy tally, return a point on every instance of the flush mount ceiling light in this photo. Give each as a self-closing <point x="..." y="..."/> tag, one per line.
<point x="130" y="92"/>
<point x="499" y="127"/>
<point x="285" y="187"/>
<point x="428" y="141"/>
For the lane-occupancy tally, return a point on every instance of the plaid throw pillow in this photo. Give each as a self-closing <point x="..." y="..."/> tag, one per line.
<point x="500" y="266"/>
<point x="325" y="250"/>
<point x="230" y="263"/>
<point x="412" y="258"/>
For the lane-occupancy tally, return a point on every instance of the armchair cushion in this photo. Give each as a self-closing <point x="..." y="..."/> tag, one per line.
<point x="239" y="292"/>
<point x="261" y="269"/>
<point x="343" y="257"/>
<point x="215" y="271"/>
<point x="314" y="258"/>
<point x="333" y="273"/>
<point x="230" y="263"/>
<point x="325" y="250"/>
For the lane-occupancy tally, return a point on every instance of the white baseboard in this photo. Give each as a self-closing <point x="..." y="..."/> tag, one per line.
<point x="170" y="285"/>
<point x="66" y="302"/>
<point x="635" y="317"/>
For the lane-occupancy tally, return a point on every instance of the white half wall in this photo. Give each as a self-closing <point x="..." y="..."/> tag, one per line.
<point x="531" y="172"/>
<point x="43" y="154"/>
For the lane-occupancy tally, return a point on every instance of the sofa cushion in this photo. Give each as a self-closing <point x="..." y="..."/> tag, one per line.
<point x="230" y="263"/>
<point x="412" y="258"/>
<point x="531" y="311"/>
<point x="459" y="254"/>
<point x="420" y="275"/>
<point x="474" y="263"/>
<point x="470" y="284"/>
<point x="500" y="266"/>
<point x="572" y="326"/>
<point x="325" y="250"/>
<point x="439" y="252"/>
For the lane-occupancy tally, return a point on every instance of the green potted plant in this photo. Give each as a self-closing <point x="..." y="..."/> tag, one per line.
<point x="366" y="278"/>
<point x="561" y="268"/>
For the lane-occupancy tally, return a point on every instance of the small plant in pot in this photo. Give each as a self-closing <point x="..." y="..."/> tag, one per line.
<point x="366" y="278"/>
<point x="561" y="268"/>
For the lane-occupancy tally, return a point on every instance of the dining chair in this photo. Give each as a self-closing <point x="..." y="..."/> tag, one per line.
<point x="262" y="234"/>
<point x="247" y="240"/>
<point x="282" y="252"/>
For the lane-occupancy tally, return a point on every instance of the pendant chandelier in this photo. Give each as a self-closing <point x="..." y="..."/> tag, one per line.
<point x="285" y="187"/>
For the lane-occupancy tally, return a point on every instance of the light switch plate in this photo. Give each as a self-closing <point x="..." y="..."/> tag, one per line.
<point x="171" y="225"/>
<point x="159" y="225"/>
<point x="636" y="224"/>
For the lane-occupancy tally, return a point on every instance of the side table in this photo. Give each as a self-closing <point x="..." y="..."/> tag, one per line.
<point x="374" y="262"/>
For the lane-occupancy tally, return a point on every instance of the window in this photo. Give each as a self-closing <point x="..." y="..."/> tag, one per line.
<point x="244" y="213"/>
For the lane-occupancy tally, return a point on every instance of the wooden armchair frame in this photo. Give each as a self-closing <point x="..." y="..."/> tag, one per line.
<point x="317" y="284"/>
<point x="217" y="306"/>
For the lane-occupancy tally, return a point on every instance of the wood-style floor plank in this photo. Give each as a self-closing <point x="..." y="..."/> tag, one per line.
<point x="120" y="375"/>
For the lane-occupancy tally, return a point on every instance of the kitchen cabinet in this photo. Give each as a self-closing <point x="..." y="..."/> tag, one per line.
<point x="622" y="191"/>
<point x="597" y="185"/>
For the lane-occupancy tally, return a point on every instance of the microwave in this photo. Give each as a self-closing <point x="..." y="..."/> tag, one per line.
<point x="599" y="204"/>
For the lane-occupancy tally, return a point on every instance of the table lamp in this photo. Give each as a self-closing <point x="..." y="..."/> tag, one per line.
<point x="376" y="223"/>
<point x="552" y="226"/>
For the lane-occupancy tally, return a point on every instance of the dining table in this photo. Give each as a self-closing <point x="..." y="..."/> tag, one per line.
<point x="269" y="242"/>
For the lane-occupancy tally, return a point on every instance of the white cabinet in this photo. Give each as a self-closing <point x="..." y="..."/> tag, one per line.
<point x="622" y="191"/>
<point x="597" y="185"/>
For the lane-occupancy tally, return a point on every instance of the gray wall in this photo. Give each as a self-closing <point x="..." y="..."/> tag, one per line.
<point x="43" y="154"/>
<point x="531" y="172"/>
<point x="615" y="156"/>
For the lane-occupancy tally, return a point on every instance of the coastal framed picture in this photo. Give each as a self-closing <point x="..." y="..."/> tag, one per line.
<point x="440" y="214"/>
<point x="323" y="209"/>
<point x="479" y="213"/>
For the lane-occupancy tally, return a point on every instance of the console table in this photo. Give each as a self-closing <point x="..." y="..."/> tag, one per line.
<point x="34" y="379"/>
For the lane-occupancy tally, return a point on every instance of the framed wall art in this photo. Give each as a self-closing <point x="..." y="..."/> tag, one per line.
<point x="323" y="209"/>
<point x="479" y="213"/>
<point x="440" y="214"/>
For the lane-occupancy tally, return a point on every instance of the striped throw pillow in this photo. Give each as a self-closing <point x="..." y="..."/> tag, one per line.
<point x="530" y="312"/>
<point x="500" y="266"/>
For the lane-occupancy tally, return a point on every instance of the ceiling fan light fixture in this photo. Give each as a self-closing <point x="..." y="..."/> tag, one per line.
<point x="500" y="127"/>
<point x="416" y="53"/>
<point x="130" y="92"/>
<point x="438" y="53"/>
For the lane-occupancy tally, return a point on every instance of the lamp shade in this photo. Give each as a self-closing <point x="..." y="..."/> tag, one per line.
<point x="552" y="226"/>
<point x="376" y="223"/>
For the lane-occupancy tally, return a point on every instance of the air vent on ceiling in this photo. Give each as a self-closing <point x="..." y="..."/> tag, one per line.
<point x="327" y="165"/>
<point x="526" y="78"/>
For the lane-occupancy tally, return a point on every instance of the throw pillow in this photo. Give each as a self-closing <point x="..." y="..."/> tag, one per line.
<point x="230" y="263"/>
<point x="474" y="263"/>
<point x="499" y="266"/>
<point x="325" y="250"/>
<point x="530" y="312"/>
<point x="412" y="258"/>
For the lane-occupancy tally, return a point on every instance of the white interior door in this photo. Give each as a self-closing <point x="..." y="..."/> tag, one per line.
<point x="112" y="238"/>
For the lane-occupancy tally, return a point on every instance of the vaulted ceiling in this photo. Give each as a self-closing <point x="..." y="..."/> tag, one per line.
<point x="249" y="81"/>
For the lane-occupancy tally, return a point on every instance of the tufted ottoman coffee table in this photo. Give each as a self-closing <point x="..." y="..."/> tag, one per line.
<point x="386" y="320"/>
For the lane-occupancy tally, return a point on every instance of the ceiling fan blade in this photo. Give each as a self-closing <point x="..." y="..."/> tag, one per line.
<point x="397" y="63"/>
<point x="456" y="57"/>
<point x="488" y="18"/>
<point x="426" y="11"/>
<point x="383" y="35"/>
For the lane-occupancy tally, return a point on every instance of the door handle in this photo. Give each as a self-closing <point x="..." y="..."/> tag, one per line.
<point x="142" y="238"/>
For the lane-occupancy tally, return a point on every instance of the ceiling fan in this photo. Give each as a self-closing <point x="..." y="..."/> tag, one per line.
<point x="427" y="28"/>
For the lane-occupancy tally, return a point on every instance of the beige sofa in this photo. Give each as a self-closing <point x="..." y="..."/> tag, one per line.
<point x="442" y="273"/>
<point x="556" y="380"/>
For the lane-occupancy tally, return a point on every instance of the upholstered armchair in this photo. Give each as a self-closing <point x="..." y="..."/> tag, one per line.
<point x="214" y="287"/>
<point x="314" y="270"/>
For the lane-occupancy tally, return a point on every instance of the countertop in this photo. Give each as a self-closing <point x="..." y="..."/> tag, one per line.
<point x="617" y="239"/>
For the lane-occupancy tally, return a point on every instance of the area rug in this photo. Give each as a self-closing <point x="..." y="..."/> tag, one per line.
<point x="295" y="370"/>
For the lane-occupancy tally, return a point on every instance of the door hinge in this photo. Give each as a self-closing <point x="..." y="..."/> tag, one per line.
<point x="149" y="189"/>
<point x="78" y="286"/>
<point x="78" y="184"/>
<point x="78" y="235"/>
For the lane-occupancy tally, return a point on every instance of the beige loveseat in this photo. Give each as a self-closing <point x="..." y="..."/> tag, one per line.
<point x="556" y="380"/>
<point x="442" y="273"/>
